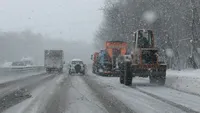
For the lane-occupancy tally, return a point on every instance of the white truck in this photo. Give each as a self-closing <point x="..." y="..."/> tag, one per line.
<point x="53" y="60"/>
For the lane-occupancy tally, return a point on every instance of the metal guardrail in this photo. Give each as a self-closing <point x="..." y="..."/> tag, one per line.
<point x="20" y="69"/>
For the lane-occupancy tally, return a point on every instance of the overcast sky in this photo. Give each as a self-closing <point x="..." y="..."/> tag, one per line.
<point x="69" y="19"/>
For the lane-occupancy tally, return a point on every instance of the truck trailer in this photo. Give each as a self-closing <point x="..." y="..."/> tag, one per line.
<point x="53" y="60"/>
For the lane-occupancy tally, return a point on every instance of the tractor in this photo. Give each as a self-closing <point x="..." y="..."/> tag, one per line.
<point x="143" y="60"/>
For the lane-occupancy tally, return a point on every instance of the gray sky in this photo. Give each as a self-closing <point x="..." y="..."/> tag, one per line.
<point x="68" y="19"/>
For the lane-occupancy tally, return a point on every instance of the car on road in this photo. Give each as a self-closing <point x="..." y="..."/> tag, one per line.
<point x="77" y="66"/>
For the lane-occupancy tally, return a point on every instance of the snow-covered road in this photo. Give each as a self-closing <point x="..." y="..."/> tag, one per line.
<point x="143" y="97"/>
<point x="63" y="93"/>
<point x="10" y="77"/>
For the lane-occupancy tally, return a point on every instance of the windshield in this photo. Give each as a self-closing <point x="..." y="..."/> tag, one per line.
<point x="144" y="39"/>
<point x="99" y="56"/>
<point x="77" y="62"/>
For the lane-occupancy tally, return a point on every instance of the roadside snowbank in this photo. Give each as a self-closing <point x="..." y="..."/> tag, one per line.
<point x="132" y="98"/>
<point x="185" y="80"/>
<point x="188" y="73"/>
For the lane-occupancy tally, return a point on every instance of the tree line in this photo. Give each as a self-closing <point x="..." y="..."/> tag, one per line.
<point x="16" y="45"/>
<point x="176" y="26"/>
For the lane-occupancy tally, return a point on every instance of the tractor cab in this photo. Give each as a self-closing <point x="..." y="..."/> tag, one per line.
<point x="144" y="52"/>
<point x="143" y="39"/>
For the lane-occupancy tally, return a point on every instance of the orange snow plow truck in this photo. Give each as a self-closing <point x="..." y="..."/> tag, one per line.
<point x="94" y="58"/>
<point x="104" y="62"/>
<point x="114" y="49"/>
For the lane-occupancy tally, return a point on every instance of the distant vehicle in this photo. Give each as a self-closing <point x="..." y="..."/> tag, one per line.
<point x="18" y="63"/>
<point x="27" y="61"/>
<point x="77" y="66"/>
<point x="7" y="64"/>
<point x="54" y="60"/>
<point x="23" y="62"/>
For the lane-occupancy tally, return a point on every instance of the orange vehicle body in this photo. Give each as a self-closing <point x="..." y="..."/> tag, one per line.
<point x="104" y="62"/>
<point x="119" y="45"/>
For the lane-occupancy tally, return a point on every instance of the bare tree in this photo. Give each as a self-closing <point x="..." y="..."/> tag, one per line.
<point x="175" y="25"/>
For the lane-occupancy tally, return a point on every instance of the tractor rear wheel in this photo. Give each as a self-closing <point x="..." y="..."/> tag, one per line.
<point x="127" y="74"/>
<point x="152" y="79"/>
<point x="121" y="77"/>
<point x="162" y="79"/>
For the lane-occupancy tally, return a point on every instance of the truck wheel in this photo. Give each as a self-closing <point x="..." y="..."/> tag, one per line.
<point x="47" y="70"/>
<point x="161" y="79"/>
<point x="121" y="78"/>
<point x="128" y="74"/>
<point x="93" y="70"/>
<point x="121" y="75"/>
<point x="83" y="72"/>
<point x="152" y="79"/>
<point x="60" y="70"/>
<point x="70" y="72"/>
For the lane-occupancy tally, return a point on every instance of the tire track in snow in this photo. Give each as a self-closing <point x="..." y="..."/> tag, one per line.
<point x="40" y="101"/>
<point x="186" y="109"/>
<point x="89" y="100"/>
<point x="145" y="82"/>
<point x="57" y="102"/>
<point x="190" y="93"/>
<point x="127" y="97"/>
<point x="71" y="97"/>
<point x="110" y="102"/>
<point x="22" y="93"/>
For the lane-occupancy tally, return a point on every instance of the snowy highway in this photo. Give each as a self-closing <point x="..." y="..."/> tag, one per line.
<point x="100" y="56"/>
<point x="63" y="93"/>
